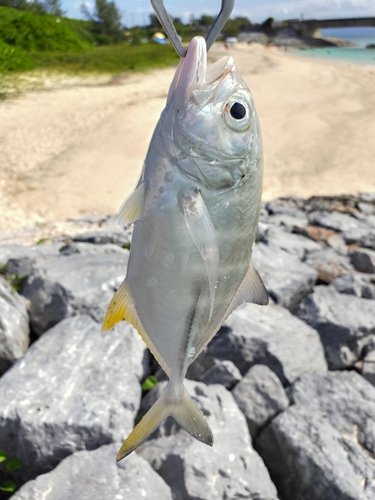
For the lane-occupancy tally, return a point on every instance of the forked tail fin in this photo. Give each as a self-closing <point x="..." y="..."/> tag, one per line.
<point x="185" y="412"/>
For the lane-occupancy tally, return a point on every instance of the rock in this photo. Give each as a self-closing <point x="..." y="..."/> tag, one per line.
<point x="346" y="324"/>
<point x="193" y="470"/>
<point x="326" y="236"/>
<point x="337" y="221"/>
<point x="71" y="391"/>
<point x="342" y="203"/>
<point x="354" y="284"/>
<point x="367" y="197"/>
<point x="261" y="231"/>
<point x="260" y="396"/>
<point x="328" y="264"/>
<point x="286" y="279"/>
<point x="14" y="326"/>
<point x="22" y="259"/>
<point x="368" y="369"/>
<point x="292" y="243"/>
<point x="321" y="446"/>
<point x="269" y="336"/>
<point x="222" y="372"/>
<point x="90" y="248"/>
<point x="90" y="219"/>
<point x="328" y="433"/>
<point x="290" y="206"/>
<point x="118" y="235"/>
<point x="298" y="219"/>
<point x="366" y="208"/>
<point x="363" y="260"/>
<point x="88" y="475"/>
<point x="362" y="237"/>
<point x="63" y="286"/>
<point x="8" y="250"/>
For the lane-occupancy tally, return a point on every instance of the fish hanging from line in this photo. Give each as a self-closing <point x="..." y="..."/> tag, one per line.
<point x="195" y="209"/>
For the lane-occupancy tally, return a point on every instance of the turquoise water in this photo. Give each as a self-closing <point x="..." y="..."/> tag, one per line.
<point x="358" y="54"/>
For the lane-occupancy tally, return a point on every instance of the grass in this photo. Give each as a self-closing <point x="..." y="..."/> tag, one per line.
<point x="33" y="47"/>
<point x="108" y="58"/>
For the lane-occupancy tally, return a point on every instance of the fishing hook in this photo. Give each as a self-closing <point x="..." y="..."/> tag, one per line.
<point x="167" y="24"/>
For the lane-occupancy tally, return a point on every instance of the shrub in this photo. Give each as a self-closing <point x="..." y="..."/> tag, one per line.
<point x="13" y="59"/>
<point x="40" y="33"/>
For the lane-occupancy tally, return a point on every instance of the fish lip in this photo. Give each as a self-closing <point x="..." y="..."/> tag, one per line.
<point x="193" y="73"/>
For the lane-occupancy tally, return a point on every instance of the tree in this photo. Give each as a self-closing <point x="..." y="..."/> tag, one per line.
<point x="267" y="26"/>
<point x="234" y="26"/>
<point x="205" y="20"/>
<point x="53" y="7"/>
<point x="154" y="21"/>
<point x="106" y="19"/>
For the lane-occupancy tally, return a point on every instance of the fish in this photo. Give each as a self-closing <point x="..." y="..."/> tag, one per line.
<point x="195" y="211"/>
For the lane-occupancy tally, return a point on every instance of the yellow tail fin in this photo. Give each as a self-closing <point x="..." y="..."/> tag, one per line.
<point x="184" y="411"/>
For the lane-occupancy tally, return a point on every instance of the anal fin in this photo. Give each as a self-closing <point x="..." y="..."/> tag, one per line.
<point x="122" y="308"/>
<point x="251" y="289"/>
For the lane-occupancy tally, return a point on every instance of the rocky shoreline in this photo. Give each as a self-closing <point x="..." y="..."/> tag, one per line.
<point x="287" y="389"/>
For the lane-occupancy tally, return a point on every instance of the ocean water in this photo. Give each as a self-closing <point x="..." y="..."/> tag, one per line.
<point x="358" y="54"/>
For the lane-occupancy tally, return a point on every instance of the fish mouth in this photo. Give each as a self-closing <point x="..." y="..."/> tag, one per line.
<point x="193" y="74"/>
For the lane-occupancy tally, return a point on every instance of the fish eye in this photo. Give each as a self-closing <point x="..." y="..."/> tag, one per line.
<point x="237" y="113"/>
<point x="237" y="110"/>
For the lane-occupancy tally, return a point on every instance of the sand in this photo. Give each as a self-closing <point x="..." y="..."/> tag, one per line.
<point x="78" y="147"/>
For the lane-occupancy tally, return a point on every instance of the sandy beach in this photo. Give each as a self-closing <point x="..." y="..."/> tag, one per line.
<point x="77" y="147"/>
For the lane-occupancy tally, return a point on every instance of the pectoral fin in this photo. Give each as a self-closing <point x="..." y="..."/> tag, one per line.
<point x="132" y="208"/>
<point x="122" y="308"/>
<point x="202" y="231"/>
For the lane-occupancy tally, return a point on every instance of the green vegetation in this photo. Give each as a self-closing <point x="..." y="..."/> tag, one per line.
<point x="14" y="280"/>
<point x="149" y="383"/>
<point x="28" y="41"/>
<point x="106" y="21"/>
<point x="109" y="58"/>
<point x="37" y="6"/>
<point x="7" y="466"/>
<point x="14" y="59"/>
<point x="34" y="35"/>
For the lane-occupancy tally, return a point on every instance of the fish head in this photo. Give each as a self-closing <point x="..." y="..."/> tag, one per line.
<point x="212" y="118"/>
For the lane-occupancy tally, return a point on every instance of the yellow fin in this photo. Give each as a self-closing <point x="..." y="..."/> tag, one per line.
<point x="122" y="308"/>
<point x="132" y="208"/>
<point x="184" y="410"/>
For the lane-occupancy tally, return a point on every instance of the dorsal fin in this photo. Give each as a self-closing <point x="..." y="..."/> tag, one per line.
<point x="132" y="208"/>
<point x="122" y="308"/>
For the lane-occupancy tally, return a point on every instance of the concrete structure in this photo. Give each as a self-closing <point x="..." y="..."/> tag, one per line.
<point x="309" y="27"/>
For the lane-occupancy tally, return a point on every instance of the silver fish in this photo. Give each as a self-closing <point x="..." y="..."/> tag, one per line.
<point x="196" y="209"/>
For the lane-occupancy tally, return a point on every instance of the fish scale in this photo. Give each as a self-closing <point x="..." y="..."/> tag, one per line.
<point x="195" y="212"/>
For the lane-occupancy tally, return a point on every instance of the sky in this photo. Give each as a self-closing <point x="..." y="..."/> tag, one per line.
<point x="137" y="11"/>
